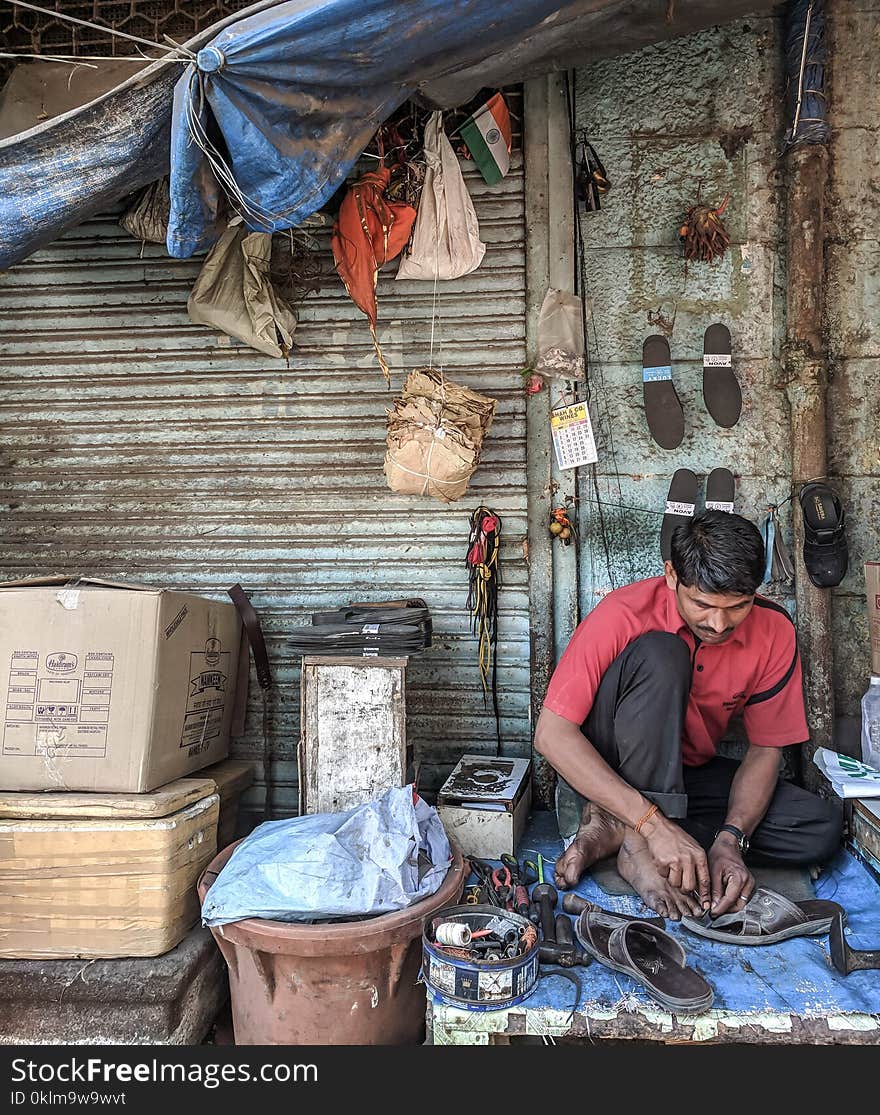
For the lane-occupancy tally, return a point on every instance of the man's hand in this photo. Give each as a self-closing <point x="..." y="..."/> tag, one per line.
<point x="731" y="879"/>
<point x="679" y="859"/>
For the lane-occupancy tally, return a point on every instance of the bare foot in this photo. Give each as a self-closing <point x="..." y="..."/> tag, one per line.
<point x="599" y="835"/>
<point x="636" y="864"/>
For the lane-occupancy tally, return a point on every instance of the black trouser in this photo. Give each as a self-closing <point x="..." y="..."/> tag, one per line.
<point x="637" y="723"/>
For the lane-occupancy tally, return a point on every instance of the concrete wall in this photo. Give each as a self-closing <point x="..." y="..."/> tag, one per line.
<point x="656" y="118"/>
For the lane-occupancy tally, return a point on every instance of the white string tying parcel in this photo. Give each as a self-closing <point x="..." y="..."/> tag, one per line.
<point x="438" y="432"/>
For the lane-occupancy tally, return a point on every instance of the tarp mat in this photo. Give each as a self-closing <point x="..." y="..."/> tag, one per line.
<point x="794" y="977"/>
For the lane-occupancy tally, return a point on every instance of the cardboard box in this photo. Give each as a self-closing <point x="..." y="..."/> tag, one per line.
<point x="98" y="875"/>
<point x="116" y="688"/>
<point x="865" y="833"/>
<point x="872" y="585"/>
<point x="231" y="777"/>
<point x="484" y="804"/>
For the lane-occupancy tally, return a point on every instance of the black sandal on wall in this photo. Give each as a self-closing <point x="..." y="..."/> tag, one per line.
<point x="825" y="550"/>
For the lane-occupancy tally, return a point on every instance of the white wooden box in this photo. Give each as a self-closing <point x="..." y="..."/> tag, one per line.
<point x="484" y="804"/>
<point x="353" y="737"/>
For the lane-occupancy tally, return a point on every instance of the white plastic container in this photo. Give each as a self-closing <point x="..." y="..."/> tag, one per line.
<point x="871" y="723"/>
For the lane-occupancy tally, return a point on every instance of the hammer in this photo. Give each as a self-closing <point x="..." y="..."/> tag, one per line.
<point x="566" y="956"/>
<point x="846" y="959"/>
<point x="546" y="897"/>
<point x="564" y="932"/>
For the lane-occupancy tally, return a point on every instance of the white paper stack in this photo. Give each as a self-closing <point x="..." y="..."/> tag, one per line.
<point x="849" y="778"/>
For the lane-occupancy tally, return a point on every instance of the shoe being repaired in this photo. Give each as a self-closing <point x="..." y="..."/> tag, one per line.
<point x="635" y="711"/>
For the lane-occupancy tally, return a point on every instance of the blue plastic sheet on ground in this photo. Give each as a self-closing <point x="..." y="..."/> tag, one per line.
<point x="795" y="977"/>
<point x="373" y="859"/>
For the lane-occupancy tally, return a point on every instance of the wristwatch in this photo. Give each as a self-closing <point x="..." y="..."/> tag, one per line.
<point x="741" y="838"/>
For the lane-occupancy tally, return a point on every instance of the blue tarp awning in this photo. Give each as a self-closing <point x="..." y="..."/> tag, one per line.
<point x="281" y="100"/>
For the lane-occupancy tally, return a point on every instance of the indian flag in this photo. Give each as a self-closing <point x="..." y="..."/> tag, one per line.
<point x="487" y="135"/>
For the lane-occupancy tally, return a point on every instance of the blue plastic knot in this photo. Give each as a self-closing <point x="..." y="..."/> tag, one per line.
<point x="210" y="59"/>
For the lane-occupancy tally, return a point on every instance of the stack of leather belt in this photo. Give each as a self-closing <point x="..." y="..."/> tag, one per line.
<point x="390" y="630"/>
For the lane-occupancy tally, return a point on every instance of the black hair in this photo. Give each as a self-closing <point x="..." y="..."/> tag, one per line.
<point x="719" y="553"/>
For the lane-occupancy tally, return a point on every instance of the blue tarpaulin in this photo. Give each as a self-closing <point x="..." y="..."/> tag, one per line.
<point x="297" y="91"/>
<point x="282" y="99"/>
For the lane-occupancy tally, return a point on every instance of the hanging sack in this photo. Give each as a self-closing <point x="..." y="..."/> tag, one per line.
<point x="446" y="241"/>
<point x="561" y="336"/>
<point x="147" y="217"/>
<point x="233" y="292"/>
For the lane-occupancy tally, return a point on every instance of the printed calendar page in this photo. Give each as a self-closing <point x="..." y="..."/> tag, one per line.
<point x="573" y="436"/>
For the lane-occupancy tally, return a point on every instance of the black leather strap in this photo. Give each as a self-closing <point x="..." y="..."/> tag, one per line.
<point x="741" y="837"/>
<point x="251" y="622"/>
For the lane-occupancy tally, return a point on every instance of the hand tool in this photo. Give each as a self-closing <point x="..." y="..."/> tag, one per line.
<point x="472" y="898"/>
<point x="540" y="868"/>
<point x="564" y="931"/>
<point x="520" y="894"/>
<point x="574" y="904"/>
<point x="503" y="884"/>
<point x="845" y="958"/>
<point x="567" y="956"/>
<point x="534" y="913"/>
<point x="484" y="871"/>
<point x="546" y="897"/>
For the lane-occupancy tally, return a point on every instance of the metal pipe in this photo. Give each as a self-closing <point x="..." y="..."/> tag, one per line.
<point x="806" y="378"/>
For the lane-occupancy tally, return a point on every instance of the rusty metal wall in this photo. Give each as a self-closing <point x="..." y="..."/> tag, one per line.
<point x="852" y="267"/>
<point x="136" y="445"/>
<point x="657" y="118"/>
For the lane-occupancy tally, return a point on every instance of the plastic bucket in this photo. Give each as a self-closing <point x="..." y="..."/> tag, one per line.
<point x="344" y="983"/>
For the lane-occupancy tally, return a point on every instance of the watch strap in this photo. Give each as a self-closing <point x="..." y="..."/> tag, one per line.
<point x="741" y="837"/>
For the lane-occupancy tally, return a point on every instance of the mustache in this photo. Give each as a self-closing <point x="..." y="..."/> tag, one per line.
<point x="712" y="631"/>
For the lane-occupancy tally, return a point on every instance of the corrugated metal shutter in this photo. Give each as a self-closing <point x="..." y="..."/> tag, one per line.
<point x="137" y="445"/>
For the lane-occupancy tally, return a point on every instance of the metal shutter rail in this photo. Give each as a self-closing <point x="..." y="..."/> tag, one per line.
<point x="138" y="446"/>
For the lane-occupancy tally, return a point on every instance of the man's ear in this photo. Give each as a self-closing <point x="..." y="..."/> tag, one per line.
<point x="670" y="574"/>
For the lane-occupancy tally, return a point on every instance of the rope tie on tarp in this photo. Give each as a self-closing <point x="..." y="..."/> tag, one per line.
<point x="806" y="54"/>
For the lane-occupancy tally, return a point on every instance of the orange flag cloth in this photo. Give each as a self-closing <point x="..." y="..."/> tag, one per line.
<point x="369" y="232"/>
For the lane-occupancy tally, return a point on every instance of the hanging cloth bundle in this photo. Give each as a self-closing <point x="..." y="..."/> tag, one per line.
<point x="779" y="566"/>
<point x="369" y="232"/>
<point x="484" y="575"/>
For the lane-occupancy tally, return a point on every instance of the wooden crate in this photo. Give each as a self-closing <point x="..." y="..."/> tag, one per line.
<point x="353" y="738"/>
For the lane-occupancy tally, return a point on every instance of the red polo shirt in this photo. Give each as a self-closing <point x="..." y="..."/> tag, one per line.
<point x="757" y="671"/>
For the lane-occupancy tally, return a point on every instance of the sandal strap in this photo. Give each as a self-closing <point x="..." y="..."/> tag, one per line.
<point x="766" y="912"/>
<point x="621" y="940"/>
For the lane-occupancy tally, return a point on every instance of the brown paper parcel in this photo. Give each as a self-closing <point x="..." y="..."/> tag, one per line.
<point x="435" y="436"/>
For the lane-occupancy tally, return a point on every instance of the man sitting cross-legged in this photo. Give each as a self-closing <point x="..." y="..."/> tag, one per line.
<point x="637" y="706"/>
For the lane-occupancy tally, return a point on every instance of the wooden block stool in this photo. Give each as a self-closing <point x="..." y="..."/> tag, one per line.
<point x="353" y="738"/>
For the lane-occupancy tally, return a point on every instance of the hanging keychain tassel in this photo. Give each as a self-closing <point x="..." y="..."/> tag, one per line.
<point x="484" y="580"/>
